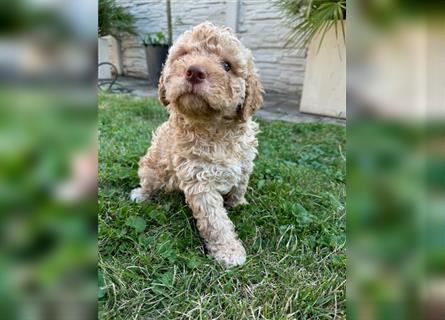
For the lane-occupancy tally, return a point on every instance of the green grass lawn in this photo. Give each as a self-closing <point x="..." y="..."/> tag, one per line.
<point x="152" y="263"/>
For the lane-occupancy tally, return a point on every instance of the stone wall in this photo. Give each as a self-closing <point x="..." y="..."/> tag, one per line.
<point x="260" y="27"/>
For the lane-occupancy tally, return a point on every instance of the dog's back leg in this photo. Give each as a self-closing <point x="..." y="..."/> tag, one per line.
<point x="236" y="195"/>
<point x="152" y="178"/>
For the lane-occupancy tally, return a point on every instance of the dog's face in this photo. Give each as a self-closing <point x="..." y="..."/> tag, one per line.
<point x="209" y="73"/>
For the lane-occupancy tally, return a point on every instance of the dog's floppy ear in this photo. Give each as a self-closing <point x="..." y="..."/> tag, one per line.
<point x="253" y="96"/>
<point x="161" y="91"/>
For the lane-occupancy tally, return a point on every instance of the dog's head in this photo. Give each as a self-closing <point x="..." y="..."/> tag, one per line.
<point x="209" y="73"/>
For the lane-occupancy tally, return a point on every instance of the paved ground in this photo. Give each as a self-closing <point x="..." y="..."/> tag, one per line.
<point x="276" y="106"/>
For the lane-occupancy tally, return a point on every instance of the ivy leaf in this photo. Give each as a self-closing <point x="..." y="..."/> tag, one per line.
<point x="261" y="184"/>
<point x="137" y="223"/>
<point x="193" y="262"/>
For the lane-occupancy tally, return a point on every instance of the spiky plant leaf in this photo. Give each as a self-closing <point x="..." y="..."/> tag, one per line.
<point x="308" y="18"/>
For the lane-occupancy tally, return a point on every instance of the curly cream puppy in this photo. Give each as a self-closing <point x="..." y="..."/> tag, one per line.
<point x="207" y="147"/>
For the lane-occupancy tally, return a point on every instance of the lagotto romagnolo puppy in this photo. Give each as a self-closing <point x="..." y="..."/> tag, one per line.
<point x="207" y="147"/>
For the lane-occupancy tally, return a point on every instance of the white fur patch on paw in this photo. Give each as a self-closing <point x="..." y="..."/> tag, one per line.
<point x="242" y="201"/>
<point x="234" y="260"/>
<point x="232" y="256"/>
<point x="138" y="195"/>
<point x="233" y="203"/>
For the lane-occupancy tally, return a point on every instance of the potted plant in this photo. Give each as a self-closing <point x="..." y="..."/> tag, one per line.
<point x="156" y="48"/>
<point x="319" y="26"/>
<point x="156" y="51"/>
<point x="114" y="21"/>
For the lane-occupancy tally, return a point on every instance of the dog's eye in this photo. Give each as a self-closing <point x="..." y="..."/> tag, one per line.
<point x="227" y="66"/>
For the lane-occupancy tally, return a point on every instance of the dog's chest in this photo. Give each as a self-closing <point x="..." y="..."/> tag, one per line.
<point x="218" y="162"/>
<point x="227" y="167"/>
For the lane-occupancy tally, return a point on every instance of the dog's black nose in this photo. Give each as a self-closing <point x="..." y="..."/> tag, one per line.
<point x="195" y="74"/>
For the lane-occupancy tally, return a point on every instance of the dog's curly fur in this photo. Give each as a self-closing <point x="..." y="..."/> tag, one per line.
<point x="207" y="146"/>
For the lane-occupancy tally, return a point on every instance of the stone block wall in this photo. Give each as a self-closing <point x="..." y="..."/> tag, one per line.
<point x="260" y="27"/>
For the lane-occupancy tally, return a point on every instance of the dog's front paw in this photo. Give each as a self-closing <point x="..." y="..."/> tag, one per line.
<point x="138" y="195"/>
<point x="231" y="255"/>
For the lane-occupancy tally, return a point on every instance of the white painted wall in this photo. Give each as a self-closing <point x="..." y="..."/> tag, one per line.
<point x="104" y="72"/>
<point x="263" y="30"/>
<point x="260" y="28"/>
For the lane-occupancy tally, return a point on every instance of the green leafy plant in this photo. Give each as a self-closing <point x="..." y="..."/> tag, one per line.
<point x="307" y="18"/>
<point x="154" y="39"/>
<point x="114" y="19"/>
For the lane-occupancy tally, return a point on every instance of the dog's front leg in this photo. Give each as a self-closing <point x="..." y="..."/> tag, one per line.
<point x="215" y="226"/>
